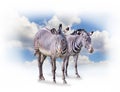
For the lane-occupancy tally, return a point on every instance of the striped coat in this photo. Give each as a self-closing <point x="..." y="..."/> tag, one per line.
<point x="76" y="41"/>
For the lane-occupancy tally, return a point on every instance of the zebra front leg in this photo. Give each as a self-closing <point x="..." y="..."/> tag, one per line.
<point x="40" y="67"/>
<point x="67" y="62"/>
<point x="41" y="60"/>
<point x="76" y="70"/>
<point x="53" y="62"/>
<point x="63" y="71"/>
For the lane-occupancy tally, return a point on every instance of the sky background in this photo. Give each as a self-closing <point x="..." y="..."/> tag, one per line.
<point x="90" y="23"/>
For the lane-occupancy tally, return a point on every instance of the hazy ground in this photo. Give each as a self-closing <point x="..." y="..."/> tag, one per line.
<point x="95" y="77"/>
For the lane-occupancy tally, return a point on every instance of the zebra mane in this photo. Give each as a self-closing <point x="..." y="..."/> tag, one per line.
<point x="73" y="33"/>
<point x="78" y="32"/>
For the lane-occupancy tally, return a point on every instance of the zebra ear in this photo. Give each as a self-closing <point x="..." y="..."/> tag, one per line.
<point x="60" y="26"/>
<point x="53" y="31"/>
<point x="91" y="33"/>
<point x="78" y="32"/>
<point x="67" y="28"/>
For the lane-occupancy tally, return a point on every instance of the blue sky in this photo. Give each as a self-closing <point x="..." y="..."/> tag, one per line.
<point x="86" y="23"/>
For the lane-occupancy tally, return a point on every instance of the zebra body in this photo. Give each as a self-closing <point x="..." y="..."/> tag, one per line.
<point x="54" y="46"/>
<point x="73" y="46"/>
<point x="50" y="44"/>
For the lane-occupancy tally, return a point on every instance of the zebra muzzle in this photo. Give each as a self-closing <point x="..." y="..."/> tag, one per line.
<point x="91" y="50"/>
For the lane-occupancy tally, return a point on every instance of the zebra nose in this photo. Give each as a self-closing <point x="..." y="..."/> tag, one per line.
<point x="91" y="50"/>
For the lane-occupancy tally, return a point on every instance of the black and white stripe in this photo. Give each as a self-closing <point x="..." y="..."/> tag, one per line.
<point x="76" y="47"/>
<point x="64" y="46"/>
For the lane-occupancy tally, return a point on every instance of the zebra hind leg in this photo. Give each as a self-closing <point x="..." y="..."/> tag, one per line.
<point x="36" y="52"/>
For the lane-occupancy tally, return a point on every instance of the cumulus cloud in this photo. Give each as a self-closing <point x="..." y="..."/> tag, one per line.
<point x="69" y="19"/>
<point x="23" y="33"/>
<point x="54" y="22"/>
<point x="66" y="20"/>
<point x="82" y="59"/>
<point x="100" y="41"/>
<point x="14" y="43"/>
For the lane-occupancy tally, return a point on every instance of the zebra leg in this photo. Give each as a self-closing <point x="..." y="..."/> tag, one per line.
<point x="76" y="70"/>
<point x="67" y="62"/>
<point x="53" y="62"/>
<point x="63" y="71"/>
<point x="41" y="60"/>
<point x="40" y="66"/>
<point x="36" y="52"/>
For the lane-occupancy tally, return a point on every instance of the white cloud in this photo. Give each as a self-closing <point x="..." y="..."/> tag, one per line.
<point x="69" y="19"/>
<point x="54" y="22"/>
<point x="65" y="19"/>
<point x="14" y="43"/>
<point x="82" y="59"/>
<point x="101" y="41"/>
<point x="22" y="33"/>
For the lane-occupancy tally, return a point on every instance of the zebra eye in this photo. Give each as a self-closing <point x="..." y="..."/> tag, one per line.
<point x="63" y="41"/>
<point x="78" y="33"/>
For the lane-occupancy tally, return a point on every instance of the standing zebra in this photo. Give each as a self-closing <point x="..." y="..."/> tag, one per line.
<point x="54" y="46"/>
<point x="78" y="39"/>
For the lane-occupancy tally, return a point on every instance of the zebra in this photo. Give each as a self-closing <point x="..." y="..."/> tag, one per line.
<point x="54" y="46"/>
<point x="78" y="39"/>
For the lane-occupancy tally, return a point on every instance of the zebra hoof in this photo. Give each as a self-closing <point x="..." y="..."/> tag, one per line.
<point x="54" y="81"/>
<point x="78" y="76"/>
<point x="64" y="82"/>
<point x="41" y="78"/>
<point x="66" y="75"/>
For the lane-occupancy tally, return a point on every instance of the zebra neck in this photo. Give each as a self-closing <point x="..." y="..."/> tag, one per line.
<point x="76" y="47"/>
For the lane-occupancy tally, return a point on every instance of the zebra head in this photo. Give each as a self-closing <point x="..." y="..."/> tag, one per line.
<point x="85" y="39"/>
<point x="61" y="41"/>
<point x="61" y="45"/>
